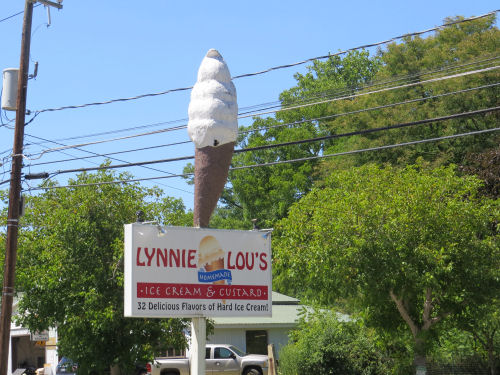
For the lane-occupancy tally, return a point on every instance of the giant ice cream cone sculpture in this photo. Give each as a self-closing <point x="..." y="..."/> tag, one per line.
<point x="213" y="127"/>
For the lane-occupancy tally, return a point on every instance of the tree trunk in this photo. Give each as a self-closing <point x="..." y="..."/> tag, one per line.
<point x="419" y="359"/>
<point x="115" y="370"/>
<point x="491" y="358"/>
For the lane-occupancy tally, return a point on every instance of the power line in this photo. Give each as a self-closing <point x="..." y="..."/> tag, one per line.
<point x="122" y="161"/>
<point x="376" y="91"/>
<point x="274" y="111"/>
<point x="135" y="164"/>
<point x="276" y="67"/>
<point x="279" y="162"/>
<point x="372" y="130"/>
<point x="392" y="79"/>
<point x="412" y="78"/>
<point x="17" y="14"/>
<point x="367" y="45"/>
<point x="184" y="120"/>
<point x="12" y="16"/>
<point x="368" y="149"/>
<point x="305" y="61"/>
<point x="115" y="100"/>
<point x="323" y="95"/>
<point x="105" y="141"/>
<point x="111" y="153"/>
<point x="109" y="182"/>
<point x="328" y="117"/>
<point x="295" y="123"/>
<point x="277" y="145"/>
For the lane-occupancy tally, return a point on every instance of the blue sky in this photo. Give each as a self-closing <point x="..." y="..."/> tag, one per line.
<point x="101" y="50"/>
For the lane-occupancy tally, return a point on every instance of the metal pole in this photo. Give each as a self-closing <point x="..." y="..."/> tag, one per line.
<point x="198" y="342"/>
<point x="197" y="363"/>
<point x="15" y="193"/>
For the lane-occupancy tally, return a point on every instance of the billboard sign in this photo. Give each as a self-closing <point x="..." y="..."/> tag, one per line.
<point x="196" y="272"/>
<point x="40" y="336"/>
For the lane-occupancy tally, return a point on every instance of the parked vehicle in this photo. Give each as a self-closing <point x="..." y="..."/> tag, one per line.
<point x="220" y="360"/>
<point x="29" y="371"/>
<point x="66" y="367"/>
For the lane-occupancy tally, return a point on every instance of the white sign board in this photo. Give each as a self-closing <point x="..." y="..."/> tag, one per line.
<point x="40" y="336"/>
<point x="196" y="272"/>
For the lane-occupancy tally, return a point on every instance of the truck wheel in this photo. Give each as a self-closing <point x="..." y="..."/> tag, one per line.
<point x="252" y="371"/>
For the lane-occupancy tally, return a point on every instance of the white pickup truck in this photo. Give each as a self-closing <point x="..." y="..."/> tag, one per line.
<point x="220" y="360"/>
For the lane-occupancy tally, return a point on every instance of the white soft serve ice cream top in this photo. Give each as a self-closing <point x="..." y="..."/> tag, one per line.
<point x="213" y="110"/>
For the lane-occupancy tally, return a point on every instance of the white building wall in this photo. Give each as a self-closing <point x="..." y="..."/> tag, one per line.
<point x="237" y="337"/>
<point x="232" y="336"/>
<point x="278" y="337"/>
<point x="51" y="357"/>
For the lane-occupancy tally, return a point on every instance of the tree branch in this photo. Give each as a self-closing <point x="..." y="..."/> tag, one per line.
<point x="404" y="313"/>
<point x="426" y="316"/>
<point x="427" y="308"/>
<point x="480" y="339"/>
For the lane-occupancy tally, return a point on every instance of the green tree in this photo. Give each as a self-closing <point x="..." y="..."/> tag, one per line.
<point x="454" y="346"/>
<point x="452" y="50"/>
<point x="486" y="166"/>
<point x="323" y="345"/>
<point x="334" y="77"/>
<point x="267" y="193"/>
<point x="70" y="270"/>
<point x="483" y="324"/>
<point x="411" y="247"/>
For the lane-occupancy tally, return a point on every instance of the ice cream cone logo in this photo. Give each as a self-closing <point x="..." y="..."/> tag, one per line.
<point x="211" y="262"/>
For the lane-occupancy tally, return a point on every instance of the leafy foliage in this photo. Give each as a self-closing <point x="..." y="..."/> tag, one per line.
<point x="482" y="323"/>
<point x="411" y="246"/>
<point x="454" y="345"/>
<point x="486" y="166"/>
<point x="267" y="193"/>
<point x="322" y="345"/>
<point x="463" y="47"/>
<point x="334" y="77"/>
<point x="70" y="271"/>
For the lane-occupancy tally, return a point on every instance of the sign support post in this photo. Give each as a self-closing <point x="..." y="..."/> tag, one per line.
<point x="198" y="343"/>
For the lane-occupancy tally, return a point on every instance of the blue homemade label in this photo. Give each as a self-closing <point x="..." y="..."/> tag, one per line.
<point x="211" y="276"/>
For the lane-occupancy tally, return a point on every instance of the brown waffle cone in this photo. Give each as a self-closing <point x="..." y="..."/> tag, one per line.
<point x="211" y="167"/>
<point x="214" y="266"/>
<point x="217" y="264"/>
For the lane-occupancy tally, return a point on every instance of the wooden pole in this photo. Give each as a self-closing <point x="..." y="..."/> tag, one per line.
<point x="15" y="192"/>
<point x="272" y="360"/>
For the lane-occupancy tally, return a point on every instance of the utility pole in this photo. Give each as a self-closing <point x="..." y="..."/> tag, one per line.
<point x="15" y="192"/>
<point x="15" y="187"/>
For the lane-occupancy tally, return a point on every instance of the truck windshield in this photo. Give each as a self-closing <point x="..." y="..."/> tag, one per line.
<point x="237" y="351"/>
